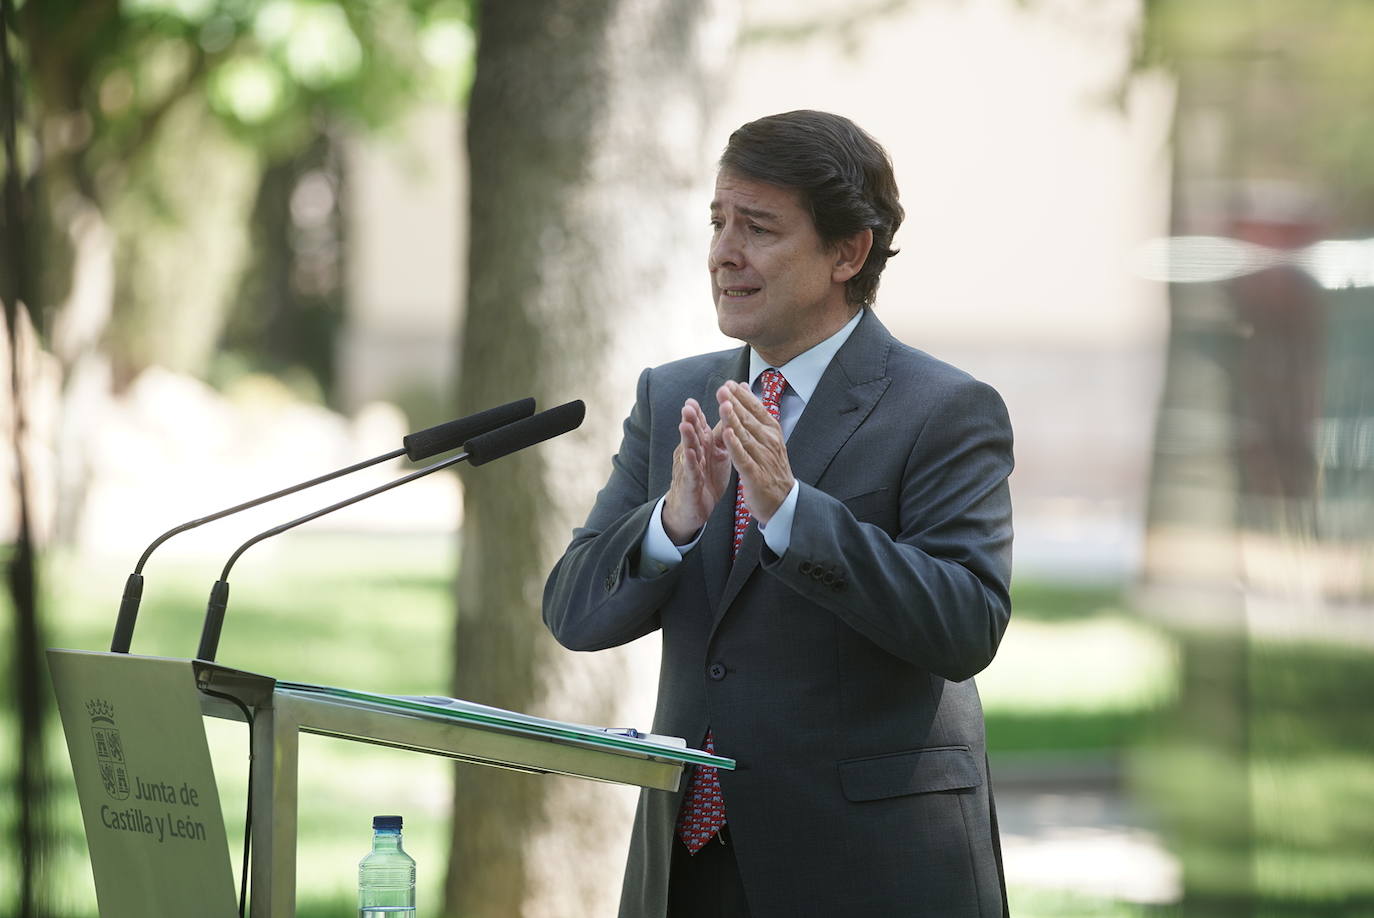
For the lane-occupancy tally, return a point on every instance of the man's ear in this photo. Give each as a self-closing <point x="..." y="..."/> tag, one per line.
<point x="850" y="255"/>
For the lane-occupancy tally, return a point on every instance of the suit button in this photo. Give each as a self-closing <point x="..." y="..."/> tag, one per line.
<point x="610" y="581"/>
<point x="716" y="671"/>
<point x="804" y="567"/>
<point x="817" y="572"/>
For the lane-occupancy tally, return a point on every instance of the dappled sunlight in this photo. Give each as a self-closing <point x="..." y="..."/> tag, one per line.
<point x="1096" y="664"/>
<point x="177" y="450"/>
<point x="1091" y="854"/>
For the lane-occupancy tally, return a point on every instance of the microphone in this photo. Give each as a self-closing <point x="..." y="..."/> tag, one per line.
<point x="452" y="434"/>
<point x="481" y="449"/>
<point x="416" y="446"/>
<point x="543" y="426"/>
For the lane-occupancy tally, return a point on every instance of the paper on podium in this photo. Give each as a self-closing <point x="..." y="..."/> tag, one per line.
<point x="472" y="707"/>
<point x="624" y="740"/>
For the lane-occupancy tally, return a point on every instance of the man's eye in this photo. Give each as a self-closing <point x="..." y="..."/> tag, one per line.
<point x="756" y="229"/>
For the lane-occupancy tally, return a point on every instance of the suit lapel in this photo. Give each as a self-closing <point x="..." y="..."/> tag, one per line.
<point x="847" y="392"/>
<point x="849" y="388"/>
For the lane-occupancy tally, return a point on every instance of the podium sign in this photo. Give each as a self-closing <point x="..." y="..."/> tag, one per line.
<point x="146" y="784"/>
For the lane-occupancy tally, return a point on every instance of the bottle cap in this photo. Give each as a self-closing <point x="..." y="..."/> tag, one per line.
<point x="386" y="822"/>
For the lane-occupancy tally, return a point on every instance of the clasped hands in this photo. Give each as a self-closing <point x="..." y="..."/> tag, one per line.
<point x="747" y="437"/>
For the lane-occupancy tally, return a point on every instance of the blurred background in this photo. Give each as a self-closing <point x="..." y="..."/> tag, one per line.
<point x="249" y="241"/>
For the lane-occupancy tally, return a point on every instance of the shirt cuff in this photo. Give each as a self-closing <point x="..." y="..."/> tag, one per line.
<point x="657" y="553"/>
<point x="777" y="535"/>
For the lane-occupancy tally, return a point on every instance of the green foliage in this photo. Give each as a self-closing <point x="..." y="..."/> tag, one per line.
<point x="110" y="90"/>
<point x="1293" y="79"/>
<point x="268" y="68"/>
<point x="1324" y="37"/>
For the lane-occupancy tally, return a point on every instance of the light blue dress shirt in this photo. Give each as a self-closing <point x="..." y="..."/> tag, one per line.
<point x="658" y="554"/>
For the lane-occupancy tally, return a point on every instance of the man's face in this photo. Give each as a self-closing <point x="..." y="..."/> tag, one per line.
<point x="774" y="282"/>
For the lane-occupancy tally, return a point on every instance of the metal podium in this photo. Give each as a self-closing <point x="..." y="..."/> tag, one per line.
<point x="134" y="728"/>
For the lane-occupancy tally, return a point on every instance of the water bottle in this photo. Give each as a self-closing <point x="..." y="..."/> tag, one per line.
<point x="386" y="877"/>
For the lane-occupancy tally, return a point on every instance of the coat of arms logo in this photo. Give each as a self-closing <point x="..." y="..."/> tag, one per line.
<point x="109" y="749"/>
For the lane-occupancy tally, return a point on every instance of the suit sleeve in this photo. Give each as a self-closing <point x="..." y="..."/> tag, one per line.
<point x="593" y="598"/>
<point x="936" y="593"/>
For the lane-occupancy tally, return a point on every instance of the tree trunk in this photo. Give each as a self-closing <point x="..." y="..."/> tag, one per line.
<point x="586" y="129"/>
<point x="1258" y="479"/>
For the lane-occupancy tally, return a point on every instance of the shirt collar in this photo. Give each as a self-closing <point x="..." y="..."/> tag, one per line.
<point x="803" y="372"/>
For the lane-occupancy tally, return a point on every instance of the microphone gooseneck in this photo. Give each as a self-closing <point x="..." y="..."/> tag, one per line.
<point x="484" y="447"/>
<point x="219" y="594"/>
<point x="419" y="445"/>
<point x="133" y="588"/>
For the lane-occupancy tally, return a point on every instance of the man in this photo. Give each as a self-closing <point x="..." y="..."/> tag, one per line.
<point x="830" y="652"/>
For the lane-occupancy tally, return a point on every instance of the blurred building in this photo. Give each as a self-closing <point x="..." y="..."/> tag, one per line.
<point x="1033" y="165"/>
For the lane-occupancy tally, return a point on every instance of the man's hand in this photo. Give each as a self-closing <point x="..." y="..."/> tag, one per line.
<point x="754" y="442"/>
<point x="701" y="470"/>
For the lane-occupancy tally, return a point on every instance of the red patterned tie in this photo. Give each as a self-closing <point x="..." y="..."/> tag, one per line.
<point x="703" y="808"/>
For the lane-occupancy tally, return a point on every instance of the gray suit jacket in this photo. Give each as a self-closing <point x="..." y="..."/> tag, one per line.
<point x="837" y="675"/>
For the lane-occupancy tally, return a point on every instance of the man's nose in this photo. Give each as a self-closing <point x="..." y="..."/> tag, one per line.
<point x="725" y="250"/>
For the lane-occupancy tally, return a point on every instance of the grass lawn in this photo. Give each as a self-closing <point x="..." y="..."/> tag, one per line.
<point x="1263" y="776"/>
<point x="1077" y="672"/>
<point x="1077" y="675"/>
<point x="1042" y="903"/>
<point x="370" y="613"/>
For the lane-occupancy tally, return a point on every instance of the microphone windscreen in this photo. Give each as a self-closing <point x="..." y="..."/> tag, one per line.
<point x="517" y="436"/>
<point x="452" y="434"/>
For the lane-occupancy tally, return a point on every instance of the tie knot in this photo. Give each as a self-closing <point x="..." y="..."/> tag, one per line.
<point x="773" y="383"/>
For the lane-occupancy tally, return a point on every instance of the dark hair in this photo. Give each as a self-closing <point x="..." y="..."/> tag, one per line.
<point x="843" y="175"/>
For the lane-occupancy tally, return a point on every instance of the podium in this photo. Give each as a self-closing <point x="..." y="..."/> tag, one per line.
<point x="135" y="730"/>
